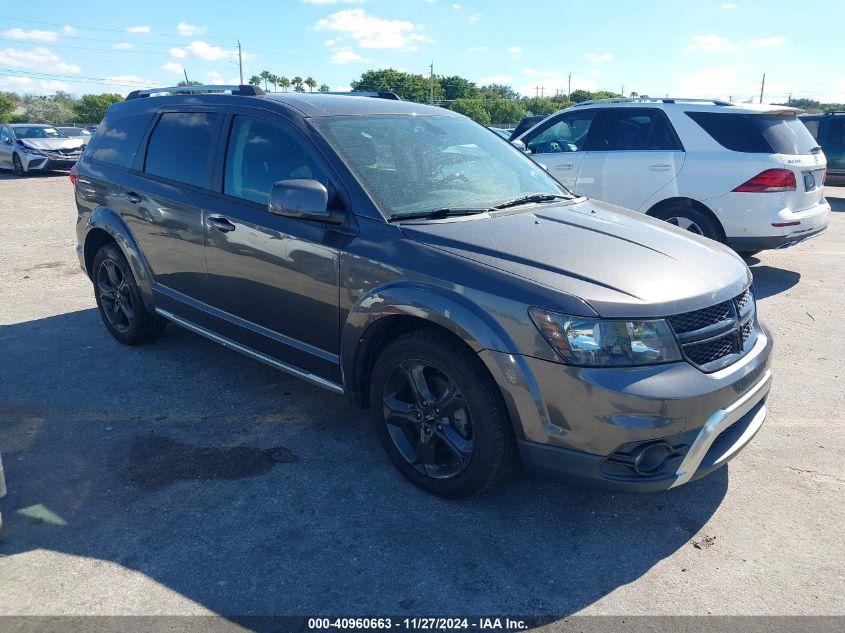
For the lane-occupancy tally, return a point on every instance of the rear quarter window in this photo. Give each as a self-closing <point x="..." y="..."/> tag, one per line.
<point x="756" y="133"/>
<point x="117" y="139"/>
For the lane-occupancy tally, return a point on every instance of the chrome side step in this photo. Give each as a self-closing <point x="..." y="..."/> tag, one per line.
<point x="248" y="351"/>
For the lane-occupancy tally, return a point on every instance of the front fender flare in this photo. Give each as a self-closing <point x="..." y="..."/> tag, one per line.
<point x="106" y="219"/>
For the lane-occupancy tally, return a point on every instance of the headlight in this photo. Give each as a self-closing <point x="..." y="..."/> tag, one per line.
<point x="33" y="152"/>
<point x="602" y="343"/>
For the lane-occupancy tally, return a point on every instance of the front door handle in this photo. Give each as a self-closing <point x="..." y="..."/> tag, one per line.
<point x="660" y="167"/>
<point x="219" y="223"/>
<point x="566" y="166"/>
<point x="133" y="197"/>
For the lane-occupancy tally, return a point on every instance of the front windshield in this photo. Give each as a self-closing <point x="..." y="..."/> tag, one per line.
<point x="37" y="132"/>
<point x="416" y="164"/>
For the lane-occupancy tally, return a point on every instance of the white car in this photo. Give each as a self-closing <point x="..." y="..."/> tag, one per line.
<point x="747" y="175"/>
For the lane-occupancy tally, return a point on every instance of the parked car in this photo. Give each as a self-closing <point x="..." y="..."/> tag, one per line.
<point x="747" y="175"/>
<point x="505" y="134"/>
<point x="76" y="132"/>
<point x="829" y="131"/>
<point x="526" y="123"/>
<point x="30" y="147"/>
<point x="459" y="291"/>
<point x="2" y="494"/>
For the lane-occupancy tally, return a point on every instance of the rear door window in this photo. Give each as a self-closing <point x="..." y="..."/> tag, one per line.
<point x="182" y="147"/>
<point x="118" y="138"/>
<point x="836" y="132"/>
<point x="631" y="129"/>
<point x="756" y="133"/>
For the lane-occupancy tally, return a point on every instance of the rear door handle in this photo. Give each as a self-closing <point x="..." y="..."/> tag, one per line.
<point x="660" y="167"/>
<point x="133" y="197"/>
<point x="566" y="166"/>
<point x="219" y="223"/>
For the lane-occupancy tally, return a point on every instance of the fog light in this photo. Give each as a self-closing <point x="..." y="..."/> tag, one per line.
<point x="652" y="458"/>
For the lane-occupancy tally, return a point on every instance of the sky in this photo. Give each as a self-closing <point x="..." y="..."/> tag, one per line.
<point x="701" y="48"/>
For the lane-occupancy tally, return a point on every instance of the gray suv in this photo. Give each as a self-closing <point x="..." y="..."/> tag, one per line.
<point x="411" y="259"/>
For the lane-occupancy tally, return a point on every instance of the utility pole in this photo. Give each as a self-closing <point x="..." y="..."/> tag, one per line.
<point x="187" y="83"/>
<point x="431" y="84"/>
<point x="240" y="63"/>
<point x="569" y="87"/>
<point x="762" y="87"/>
<point x="536" y="91"/>
<point x="542" y="91"/>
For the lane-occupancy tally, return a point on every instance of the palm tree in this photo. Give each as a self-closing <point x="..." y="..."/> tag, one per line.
<point x="297" y="84"/>
<point x="255" y="80"/>
<point x="274" y="79"/>
<point x="324" y="88"/>
<point x="284" y="82"/>
<point x="265" y="75"/>
<point x="311" y="84"/>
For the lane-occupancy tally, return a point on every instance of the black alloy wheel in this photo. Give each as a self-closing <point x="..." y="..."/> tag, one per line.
<point x="115" y="296"/>
<point x="18" y="166"/>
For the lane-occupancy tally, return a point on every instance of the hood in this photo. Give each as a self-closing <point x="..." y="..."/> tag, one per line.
<point x="53" y="143"/>
<point x="622" y="263"/>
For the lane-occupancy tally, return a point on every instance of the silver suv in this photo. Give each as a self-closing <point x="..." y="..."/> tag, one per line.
<point x="413" y="260"/>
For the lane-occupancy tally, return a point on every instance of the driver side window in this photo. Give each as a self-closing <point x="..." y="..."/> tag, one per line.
<point x="566" y="134"/>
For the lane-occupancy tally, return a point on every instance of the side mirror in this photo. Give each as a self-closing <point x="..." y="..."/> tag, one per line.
<point x="7" y="141"/>
<point x="519" y="144"/>
<point x="303" y="199"/>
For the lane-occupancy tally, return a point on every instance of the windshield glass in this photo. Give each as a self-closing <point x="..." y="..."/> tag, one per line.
<point x="37" y="132"/>
<point x="415" y="164"/>
<point x="75" y="131"/>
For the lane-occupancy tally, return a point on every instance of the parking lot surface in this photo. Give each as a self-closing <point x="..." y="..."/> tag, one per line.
<point x="182" y="478"/>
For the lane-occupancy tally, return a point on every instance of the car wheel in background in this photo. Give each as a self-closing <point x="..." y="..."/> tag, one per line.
<point x="119" y="299"/>
<point x="440" y="415"/>
<point x="18" y="166"/>
<point x="691" y="219"/>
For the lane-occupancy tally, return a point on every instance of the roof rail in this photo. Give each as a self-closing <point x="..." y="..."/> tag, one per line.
<point x="364" y="93"/>
<point x="245" y="91"/>
<point x="718" y="102"/>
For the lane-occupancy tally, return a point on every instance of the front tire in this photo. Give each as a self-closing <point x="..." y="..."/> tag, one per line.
<point x="691" y="219"/>
<point x="119" y="299"/>
<point x="440" y="415"/>
<point x="17" y="166"/>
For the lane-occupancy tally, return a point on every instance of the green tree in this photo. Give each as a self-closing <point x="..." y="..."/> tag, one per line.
<point x="498" y="91"/>
<point x="284" y="82"/>
<point x="407" y="86"/>
<point x="311" y="83"/>
<point x="265" y="75"/>
<point x="324" y="88"/>
<point x="473" y="108"/>
<point x="274" y="79"/>
<point x="604" y="94"/>
<point x="298" y="84"/>
<point x="578" y="96"/>
<point x="92" y="108"/>
<point x="8" y="103"/>
<point x="55" y="111"/>
<point x="192" y="82"/>
<point x="255" y="80"/>
<point x="504" y="111"/>
<point x="540" y="105"/>
<point x="456" y="87"/>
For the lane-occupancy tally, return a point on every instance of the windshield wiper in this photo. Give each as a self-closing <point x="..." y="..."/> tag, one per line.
<point x="437" y="214"/>
<point x="534" y="197"/>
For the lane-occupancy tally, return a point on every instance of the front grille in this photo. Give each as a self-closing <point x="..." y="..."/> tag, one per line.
<point x="63" y="154"/>
<point x="716" y="336"/>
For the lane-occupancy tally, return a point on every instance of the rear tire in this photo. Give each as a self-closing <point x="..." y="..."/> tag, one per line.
<point x="119" y="299"/>
<point x="440" y="415"/>
<point x="692" y="219"/>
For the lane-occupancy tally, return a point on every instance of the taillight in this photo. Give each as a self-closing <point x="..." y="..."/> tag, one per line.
<point x="73" y="175"/>
<point x="770" y="180"/>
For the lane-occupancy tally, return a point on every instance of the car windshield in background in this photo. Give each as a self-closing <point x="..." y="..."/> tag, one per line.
<point x="413" y="165"/>
<point x="75" y="132"/>
<point x="757" y="133"/>
<point x="37" y="132"/>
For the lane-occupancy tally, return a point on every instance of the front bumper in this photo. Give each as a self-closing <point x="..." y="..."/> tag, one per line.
<point x="43" y="163"/>
<point x="603" y="427"/>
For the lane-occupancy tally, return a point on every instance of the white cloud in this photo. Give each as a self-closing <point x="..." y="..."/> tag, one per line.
<point x="40" y="59"/>
<point x="30" y="36"/>
<point x="475" y="17"/>
<point x="595" y="72"/>
<point x="457" y="7"/>
<point x="604" y="57"/>
<point x="173" y="67"/>
<point x="347" y="56"/>
<point x="765" y="42"/>
<point x="189" y="30"/>
<point x="329" y="42"/>
<point x="67" y="29"/>
<point x="516" y="50"/>
<point x="124" y="84"/>
<point x="215" y="78"/>
<point x="205" y="51"/>
<point x="529" y="71"/>
<point x="496" y="79"/>
<point x="372" y="32"/>
<point x="32" y="86"/>
<point x="478" y="49"/>
<point x="708" y="82"/>
<point x="322" y="2"/>
<point x="728" y="5"/>
<point x="711" y="44"/>
<point x="124" y="46"/>
<point x="138" y="29"/>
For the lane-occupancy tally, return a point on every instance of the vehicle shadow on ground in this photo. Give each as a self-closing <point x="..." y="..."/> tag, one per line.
<point x="250" y="492"/>
<point x="836" y="204"/>
<point x="769" y="281"/>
